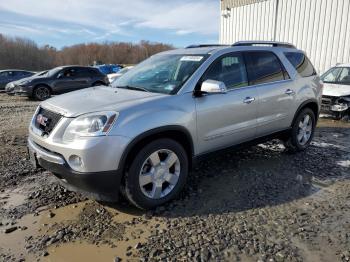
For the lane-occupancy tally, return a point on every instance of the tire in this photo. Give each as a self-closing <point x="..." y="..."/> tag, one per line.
<point x="295" y="142"/>
<point x="149" y="167"/>
<point x="41" y="93"/>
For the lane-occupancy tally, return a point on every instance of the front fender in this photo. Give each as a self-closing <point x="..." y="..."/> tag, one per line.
<point x="175" y="110"/>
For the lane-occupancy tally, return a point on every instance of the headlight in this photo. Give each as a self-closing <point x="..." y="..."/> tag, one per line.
<point x="94" y="124"/>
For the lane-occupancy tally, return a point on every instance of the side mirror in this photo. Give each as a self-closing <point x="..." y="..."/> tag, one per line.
<point x="213" y="87"/>
<point x="60" y="75"/>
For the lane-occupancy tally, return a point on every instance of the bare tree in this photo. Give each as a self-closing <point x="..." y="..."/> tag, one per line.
<point x="23" y="53"/>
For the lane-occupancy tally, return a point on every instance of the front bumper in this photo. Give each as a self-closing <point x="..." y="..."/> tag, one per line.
<point x="103" y="185"/>
<point x="332" y="105"/>
<point x="18" y="90"/>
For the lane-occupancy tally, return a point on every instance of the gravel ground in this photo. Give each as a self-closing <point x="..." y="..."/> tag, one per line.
<point x="256" y="204"/>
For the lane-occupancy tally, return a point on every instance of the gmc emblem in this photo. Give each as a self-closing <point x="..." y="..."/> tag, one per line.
<point x="42" y="120"/>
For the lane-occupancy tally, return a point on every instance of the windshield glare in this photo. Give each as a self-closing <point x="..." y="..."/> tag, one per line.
<point x="53" y="71"/>
<point x="337" y="75"/>
<point x="161" y="73"/>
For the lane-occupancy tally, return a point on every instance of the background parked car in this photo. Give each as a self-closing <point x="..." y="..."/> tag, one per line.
<point x="60" y="80"/>
<point x="119" y="74"/>
<point x="336" y="91"/>
<point x="109" y="70"/>
<point x="9" y="88"/>
<point x="7" y="76"/>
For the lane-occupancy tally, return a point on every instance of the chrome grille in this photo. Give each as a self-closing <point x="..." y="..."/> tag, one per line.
<point x="51" y="120"/>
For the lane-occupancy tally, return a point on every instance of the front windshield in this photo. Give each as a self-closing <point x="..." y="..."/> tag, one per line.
<point x="40" y="73"/>
<point x="337" y="75"/>
<point x="165" y="73"/>
<point x="53" y="71"/>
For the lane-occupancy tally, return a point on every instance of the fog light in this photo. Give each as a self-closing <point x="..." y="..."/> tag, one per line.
<point x="339" y="107"/>
<point x="76" y="162"/>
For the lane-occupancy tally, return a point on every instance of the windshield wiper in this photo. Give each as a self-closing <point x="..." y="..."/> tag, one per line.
<point x="134" y="88"/>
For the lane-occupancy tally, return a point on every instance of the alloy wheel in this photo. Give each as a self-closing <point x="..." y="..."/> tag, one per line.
<point x="305" y="130"/>
<point x="159" y="174"/>
<point x="42" y="93"/>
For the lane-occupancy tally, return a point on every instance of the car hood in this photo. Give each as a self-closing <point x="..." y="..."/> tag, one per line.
<point x="336" y="90"/>
<point x="30" y="78"/>
<point x="96" y="99"/>
<point x="22" y="80"/>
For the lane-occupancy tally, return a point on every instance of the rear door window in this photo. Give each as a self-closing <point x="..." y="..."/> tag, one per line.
<point x="82" y="72"/>
<point x="301" y="63"/>
<point x="264" y="67"/>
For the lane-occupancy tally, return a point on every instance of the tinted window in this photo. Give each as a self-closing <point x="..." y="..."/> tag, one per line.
<point x="82" y="72"/>
<point x="301" y="63"/>
<point x="69" y="72"/>
<point x="20" y="73"/>
<point x="264" y="67"/>
<point x="93" y="72"/>
<point x="229" y="69"/>
<point x="3" y="75"/>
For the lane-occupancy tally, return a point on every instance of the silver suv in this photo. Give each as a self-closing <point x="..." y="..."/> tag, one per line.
<point x="143" y="134"/>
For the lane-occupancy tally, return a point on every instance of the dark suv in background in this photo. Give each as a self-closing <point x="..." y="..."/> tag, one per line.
<point x="60" y="80"/>
<point x="7" y="76"/>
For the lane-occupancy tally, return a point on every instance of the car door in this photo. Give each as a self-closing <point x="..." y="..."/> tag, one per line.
<point x="275" y="90"/>
<point x="83" y="78"/>
<point x="230" y="118"/>
<point x="66" y="81"/>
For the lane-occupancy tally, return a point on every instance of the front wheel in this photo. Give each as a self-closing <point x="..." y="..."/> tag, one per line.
<point x="157" y="174"/>
<point x="302" y="131"/>
<point x="41" y="93"/>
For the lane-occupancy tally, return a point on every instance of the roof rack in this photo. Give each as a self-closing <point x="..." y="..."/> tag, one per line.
<point x="205" y="45"/>
<point x="264" y="43"/>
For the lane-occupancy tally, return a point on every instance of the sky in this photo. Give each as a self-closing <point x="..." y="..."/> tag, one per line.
<point x="66" y="22"/>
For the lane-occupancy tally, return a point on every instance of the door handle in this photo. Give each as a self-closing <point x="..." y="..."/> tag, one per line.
<point x="289" y="92"/>
<point x="248" y="100"/>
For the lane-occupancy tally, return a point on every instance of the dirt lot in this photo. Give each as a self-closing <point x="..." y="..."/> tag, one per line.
<point x="257" y="204"/>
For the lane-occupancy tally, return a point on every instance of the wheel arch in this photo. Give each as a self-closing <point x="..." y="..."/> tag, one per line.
<point x="310" y="103"/>
<point x="177" y="133"/>
<point x="98" y="82"/>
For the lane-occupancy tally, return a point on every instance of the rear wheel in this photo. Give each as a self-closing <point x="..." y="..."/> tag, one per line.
<point x="302" y="131"/>
<point x="157" y="174"/>
<point x="41" y="93"/>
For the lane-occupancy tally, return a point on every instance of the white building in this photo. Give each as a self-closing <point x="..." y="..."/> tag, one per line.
<point x="319" y="27"/>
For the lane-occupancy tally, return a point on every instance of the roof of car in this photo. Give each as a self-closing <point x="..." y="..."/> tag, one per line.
<point x="239" y="46"/>
<point x="65" y="66"/>
<point x="20" y="70"/>
<point x="343" y="65"/>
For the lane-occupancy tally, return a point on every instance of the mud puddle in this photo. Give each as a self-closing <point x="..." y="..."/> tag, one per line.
<point x="64" y="234"/>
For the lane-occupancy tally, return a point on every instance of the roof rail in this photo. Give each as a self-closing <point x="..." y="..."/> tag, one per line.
<point x="267" y="43"/>
<point x="205" y="45"/>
